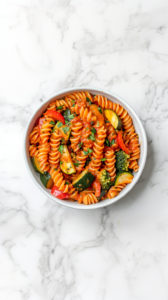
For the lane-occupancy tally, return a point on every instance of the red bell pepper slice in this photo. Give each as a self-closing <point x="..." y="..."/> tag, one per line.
<point x="37" y="122"/>
<point x="121" y="143"/>
<point x="97" y="187"/>
<point x="55" y="115"/>
<point x="59" y="194"/>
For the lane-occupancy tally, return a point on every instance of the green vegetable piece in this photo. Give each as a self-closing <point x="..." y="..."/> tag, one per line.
<point x="122" y="162"/>
<point x="60" y="149"/>
<point x="59" y="124"/>
<point x="105" y="180"/>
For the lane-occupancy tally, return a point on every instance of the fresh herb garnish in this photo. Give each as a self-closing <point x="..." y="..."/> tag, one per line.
<point x="88" y="152"/>
<point x="73" y="105"/>
<point x="66" y="114"/>
<point x="80" y="145"/>
<point x="52" y="123"/>
<point x="66" y="182"/>
<point x="113" y="142"/>
<point x="55" y="169"/>
<point x="59" y="124"/>
<point x="99" y="109"/>
<point x="60" y="107"/>
<point x="93" y="130"/>
<point x="91" y="137"/>
<point x="61" y="162"/>
<point x="107" y="121"/>
<point x="76" y="164"/>
<point x="103" y="159"/>
<point x="107" y="142"/>
<point x="88" y="100"/>
<point x="71" y="116"/>
<point x="91" y="122"/>
<point x="65" y="129"/>
<point x="61" y="148"/>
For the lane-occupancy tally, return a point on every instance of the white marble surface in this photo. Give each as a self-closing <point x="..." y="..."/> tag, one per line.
<point x="48" y="251"/>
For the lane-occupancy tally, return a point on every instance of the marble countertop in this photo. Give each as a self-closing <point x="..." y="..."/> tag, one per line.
<point x="48" y="251"/>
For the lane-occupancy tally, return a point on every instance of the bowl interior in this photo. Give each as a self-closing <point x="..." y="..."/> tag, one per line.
<point x="139" y="129"/>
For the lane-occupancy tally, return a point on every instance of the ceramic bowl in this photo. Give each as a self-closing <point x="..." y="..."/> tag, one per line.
<point x="139" y="129"/>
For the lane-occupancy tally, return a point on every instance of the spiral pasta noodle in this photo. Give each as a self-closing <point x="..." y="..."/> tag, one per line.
<point x="34" y="137"/>
<point x="81" y="158"/>
<point x="58" y="179"/>
<point x="115" y="190"/>
<point x="110" y="164"/>
<point x="46" y="129"/>
<point x="87" y="198"/>
<point x="81" y="95"/>
<point x="98" y="147"/>
<point x="43" y="153"/>
<point x="33" y="150"/>
<point x="84" y="147"/>
<point x="76" y="130"/>
<point x="54" y="155"/>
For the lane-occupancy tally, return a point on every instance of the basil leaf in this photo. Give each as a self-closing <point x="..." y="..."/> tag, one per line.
<point x="107" y="142"/>
<point x="61" y="148"/>
<point x="65" y="129"/>
<point x="88" y="100"/>
<point x="59" y="107"/>
<point x="76" y="164"/>
<point x="61" y="162"/>
<point x="99" y="109"/>
<point x="80" y="145"/>
<point x="71" y="116"/>
<point x="66" y="114"/>
<point x="52" y="122"/>
<point x="93" y="130"/>
<point x="66" y="182"/>
<point x="113" y="142"/>
<point x="59" y="124"/>
<point x="91" y="137"/>
<point x="103" y="159"/>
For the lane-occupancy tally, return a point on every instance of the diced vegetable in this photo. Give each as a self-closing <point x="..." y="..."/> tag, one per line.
<point x="65" y="131"/>
<point x="105" y="180"/>
<point x="122" y="162"/>
<point x="94" y="108"/>
<point x="121" y="143"/>
<point x="123" y="177"/>
<point x="97" y="187"/>
<point x="36" y="165"/>
<point x="83" y="181"/>
<point x="46" y="180"/>
<point x="113" y="118"/>
<point x="66" y="163"/>
<point x="59" y="194"/>
<point x="55" y="115"/>
<point x="103" y="192"/>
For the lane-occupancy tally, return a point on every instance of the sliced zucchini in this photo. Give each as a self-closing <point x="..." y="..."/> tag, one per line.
<point x="103" y="192"/>
<point x="66" y="163"/>
<point x="36" y="165"/>
<point x="123" y="177"/>
<point x="113" y="118"/>
<point x="65" y="132"/>
<point x="47" y="180"/>
<point x="83" y="181"/>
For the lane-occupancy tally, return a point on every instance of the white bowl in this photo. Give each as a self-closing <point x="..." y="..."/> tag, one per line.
<point x="139" y="129"/>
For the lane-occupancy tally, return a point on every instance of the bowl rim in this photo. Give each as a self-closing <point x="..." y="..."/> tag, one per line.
<point x="106" y="202"/>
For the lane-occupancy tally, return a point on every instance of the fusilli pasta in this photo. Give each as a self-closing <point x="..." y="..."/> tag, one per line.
<point x="80" y="154"/>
